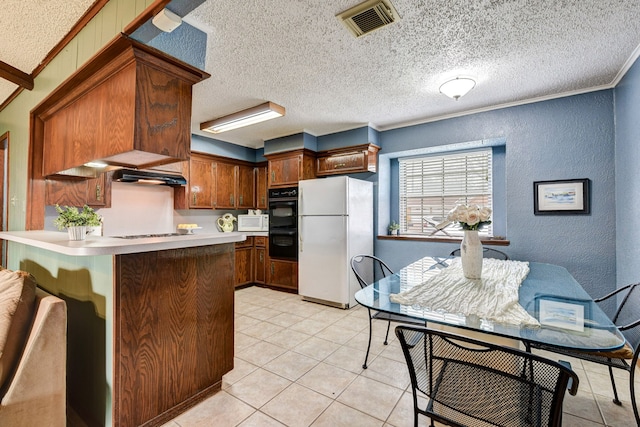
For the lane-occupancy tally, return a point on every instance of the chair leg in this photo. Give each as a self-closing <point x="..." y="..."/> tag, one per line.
<point x="634" y="403"/>
<point x="364" y="365"/>
<point x="386" y="337"/>
<point x="613" y="385"/>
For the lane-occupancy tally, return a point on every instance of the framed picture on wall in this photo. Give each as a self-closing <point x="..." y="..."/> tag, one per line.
<point x="567" y="197"/>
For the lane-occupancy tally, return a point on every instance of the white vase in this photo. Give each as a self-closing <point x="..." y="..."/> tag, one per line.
<point x="77" y="233"/>
<point x="471" y="254"/>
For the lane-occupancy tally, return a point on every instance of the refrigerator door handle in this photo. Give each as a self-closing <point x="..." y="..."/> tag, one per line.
<point x="300" y="245"/>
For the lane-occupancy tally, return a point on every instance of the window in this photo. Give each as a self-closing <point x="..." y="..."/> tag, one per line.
<point x="430" y="186"/>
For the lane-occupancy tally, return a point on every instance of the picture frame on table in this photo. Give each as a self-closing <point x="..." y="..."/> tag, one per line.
<point x="563" y="313"/>
<point x="561" y="197"/>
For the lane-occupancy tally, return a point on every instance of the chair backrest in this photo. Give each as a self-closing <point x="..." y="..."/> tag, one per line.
<point x="369" y="269"/>
<point x="486" y="253"/>
<point x="627" y="317"/>
<point x="471" y="383"/>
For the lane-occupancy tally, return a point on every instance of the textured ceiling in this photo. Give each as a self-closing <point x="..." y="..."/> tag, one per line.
<point x="31" y="28"/>
<point x="297" y="54"/>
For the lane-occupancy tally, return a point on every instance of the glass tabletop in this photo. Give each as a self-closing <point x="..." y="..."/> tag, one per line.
<point x="568" y="316"/>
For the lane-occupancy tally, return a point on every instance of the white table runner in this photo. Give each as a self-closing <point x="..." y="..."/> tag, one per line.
<point x="493" y="297"/>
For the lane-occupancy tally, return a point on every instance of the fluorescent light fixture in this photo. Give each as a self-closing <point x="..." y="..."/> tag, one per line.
<point x="166" y="20"/>
<point x="247" y="117"/>
<point x="457" y="87"/>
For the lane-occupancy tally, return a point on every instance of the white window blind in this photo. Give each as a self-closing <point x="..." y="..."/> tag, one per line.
<point x="431" y="186"/>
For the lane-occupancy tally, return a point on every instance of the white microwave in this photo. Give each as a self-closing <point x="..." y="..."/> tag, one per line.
<point x="253" y="222"/>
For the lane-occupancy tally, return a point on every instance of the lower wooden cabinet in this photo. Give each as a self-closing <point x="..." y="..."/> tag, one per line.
<point x="283" y="274"/>
<point x="260" y="260"/>
<point x="244" y="262"/>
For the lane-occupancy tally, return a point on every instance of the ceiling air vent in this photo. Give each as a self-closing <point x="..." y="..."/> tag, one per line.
<point x="368" y="16"/>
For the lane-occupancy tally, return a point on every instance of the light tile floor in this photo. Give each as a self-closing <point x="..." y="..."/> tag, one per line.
<point x="300" y="364"/>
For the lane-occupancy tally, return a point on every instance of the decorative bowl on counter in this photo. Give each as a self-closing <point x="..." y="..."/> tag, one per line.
<point x="187" y="228"/>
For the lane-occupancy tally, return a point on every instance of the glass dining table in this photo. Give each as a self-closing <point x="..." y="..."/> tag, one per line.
<point x="564" y="314"/>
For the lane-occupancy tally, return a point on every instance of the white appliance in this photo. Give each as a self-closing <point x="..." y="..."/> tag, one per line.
<point x="253" y="222"/>
<point x="335" y="222"/>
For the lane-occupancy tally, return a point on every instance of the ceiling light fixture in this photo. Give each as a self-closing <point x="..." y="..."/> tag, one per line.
<point x="457" y="87"/>
<point x="166" y="20"/>
<point x="247" y="117"/>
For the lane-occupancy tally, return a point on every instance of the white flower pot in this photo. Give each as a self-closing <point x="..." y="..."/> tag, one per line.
<point x="471" y="254"/>
<point x="77" y="233"/>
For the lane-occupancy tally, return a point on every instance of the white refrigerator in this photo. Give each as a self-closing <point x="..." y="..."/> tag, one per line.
<point x="335" y="222"/>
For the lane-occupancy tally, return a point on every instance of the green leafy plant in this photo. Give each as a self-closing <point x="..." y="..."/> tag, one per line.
<point x="393" y="226"/>
<point x="70" y="216"/>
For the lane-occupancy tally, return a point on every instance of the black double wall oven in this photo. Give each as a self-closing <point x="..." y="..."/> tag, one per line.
<point x="283" y="223"/>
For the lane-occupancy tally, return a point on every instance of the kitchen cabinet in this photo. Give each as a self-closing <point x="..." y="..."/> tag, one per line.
<point x="245" y="187"/>
<point x="220" y="183"/>
<point x="262" y="192"/>
<point x="286" y="169"/>
<point x="283" y="274"/>
<point x="260" y="244"/>
<point x="244" y="262"/>
<point x="359" y="158"/>
<point x="201" y="182"/>
<point x="225" y="178"/>
<point x="94" y="192"/>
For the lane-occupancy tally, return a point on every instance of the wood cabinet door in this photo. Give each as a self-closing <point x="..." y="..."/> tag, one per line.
<point x="262" y="193"/>
<point x="244" y="266"/>
<point x="261" y="264"/>
<point x="97" y="191"/>
<point x="201" y="183"/>
<point x="245" y="195"/>
<point x="283" y="274"/>
<point x="225" y="193"/>
<point x="284" y="171"/>
<point x="66" y="192"/>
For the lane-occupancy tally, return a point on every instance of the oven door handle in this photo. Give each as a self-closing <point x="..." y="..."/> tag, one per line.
<point x="280" y="232"/>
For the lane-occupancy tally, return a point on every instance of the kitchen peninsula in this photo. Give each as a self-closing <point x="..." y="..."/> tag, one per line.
<point x="167" y="321"/>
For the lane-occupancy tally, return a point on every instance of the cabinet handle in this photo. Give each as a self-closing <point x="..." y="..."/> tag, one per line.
<point x="339" y="165"/>
<point x="231" y="200"/>
<point x="195" y="198"/>
<point x="98" y="192"/>
<point x="241" y="198"/>
<point x="261" y="256"/>
<point x="273" y="176"/>
<point x="272" y="270"/>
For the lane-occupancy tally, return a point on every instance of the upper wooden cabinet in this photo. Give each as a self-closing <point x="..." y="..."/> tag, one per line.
<point x="262" y="193"/>
<point x="359" y="158"/>
<point x="218" y="183"/>
<point x="94" y="192"/>
<point x="130" y="105"/>
<point x="286" y="169"/>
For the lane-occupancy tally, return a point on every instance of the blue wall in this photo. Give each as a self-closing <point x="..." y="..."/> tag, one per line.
<point x="565" y="138"/>
<point x="627" y="113"/>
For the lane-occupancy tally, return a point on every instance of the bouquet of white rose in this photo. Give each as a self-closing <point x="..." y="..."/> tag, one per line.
<point x="470" y="217"/>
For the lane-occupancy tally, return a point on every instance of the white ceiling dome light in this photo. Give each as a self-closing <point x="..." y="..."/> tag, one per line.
<point x="457" y="87"/>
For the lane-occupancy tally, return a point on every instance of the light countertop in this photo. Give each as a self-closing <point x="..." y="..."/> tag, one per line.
<point x="58" y="241"/>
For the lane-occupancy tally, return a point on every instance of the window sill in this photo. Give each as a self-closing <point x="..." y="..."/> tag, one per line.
<point x="447" y="239"/>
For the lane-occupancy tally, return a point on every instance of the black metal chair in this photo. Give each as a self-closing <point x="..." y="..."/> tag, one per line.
<point x="486" y="253"/>
<point x="627" y="319"/>
<point x="369" y="269"/>
<point x="472" y="383"/>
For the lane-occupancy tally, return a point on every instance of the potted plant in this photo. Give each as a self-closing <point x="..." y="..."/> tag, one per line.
<point x="76" y="221"/>
<point x="393" y="228"/>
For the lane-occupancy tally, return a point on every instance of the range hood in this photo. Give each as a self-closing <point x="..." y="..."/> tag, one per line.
<point x="148" y="177"/>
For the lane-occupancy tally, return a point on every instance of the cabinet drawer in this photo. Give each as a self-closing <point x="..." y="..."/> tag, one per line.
<point x="260" y="241"/>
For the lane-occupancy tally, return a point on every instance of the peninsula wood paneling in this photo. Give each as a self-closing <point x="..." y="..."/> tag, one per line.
<point x="173" y="331"/>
